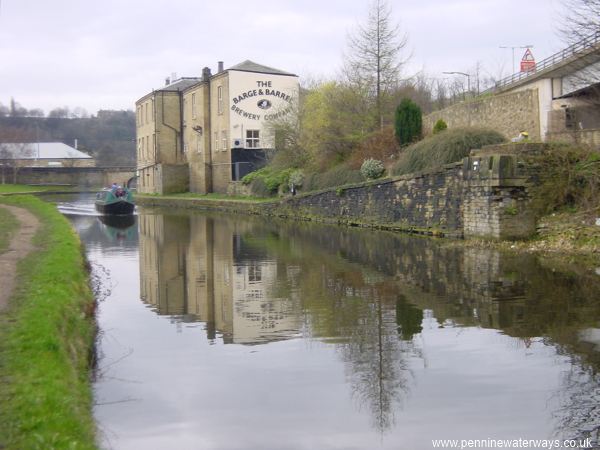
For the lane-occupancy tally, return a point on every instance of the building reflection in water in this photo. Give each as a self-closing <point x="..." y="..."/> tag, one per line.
<point x="368" y="294"/>
<point x="196" y="269"/>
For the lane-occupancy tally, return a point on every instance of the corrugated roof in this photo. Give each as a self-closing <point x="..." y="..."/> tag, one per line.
<point x="40" y="150"/>
<point x="251" y="66"/>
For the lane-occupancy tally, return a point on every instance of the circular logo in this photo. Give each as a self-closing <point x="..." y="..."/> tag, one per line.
<point x="264" y="104"/>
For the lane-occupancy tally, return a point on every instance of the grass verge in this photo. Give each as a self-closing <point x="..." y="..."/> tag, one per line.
<point x="45" y="341"/>
<point x="8" y="225"/>
<point x="22" y="188"/>
<point x="212" y="196"/>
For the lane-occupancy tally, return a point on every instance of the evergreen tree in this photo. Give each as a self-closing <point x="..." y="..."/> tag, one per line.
<point x="407" y="122"/>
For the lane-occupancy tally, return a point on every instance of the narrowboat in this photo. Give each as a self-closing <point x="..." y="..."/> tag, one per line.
<point x="115" y="201"/>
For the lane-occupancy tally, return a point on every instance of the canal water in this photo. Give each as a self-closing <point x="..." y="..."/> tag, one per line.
<point x="236" y="332"/>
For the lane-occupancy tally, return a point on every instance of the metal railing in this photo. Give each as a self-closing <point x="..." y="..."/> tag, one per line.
<point x="569" y="52"/>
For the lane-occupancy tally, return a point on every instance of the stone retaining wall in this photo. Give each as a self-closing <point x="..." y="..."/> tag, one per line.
<point x="485" y="195"/>
<point x="76" y="176"/>
<point x="508" y="114"/>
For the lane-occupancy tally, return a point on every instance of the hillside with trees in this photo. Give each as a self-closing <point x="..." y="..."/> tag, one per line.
<point x="109" y="136"/>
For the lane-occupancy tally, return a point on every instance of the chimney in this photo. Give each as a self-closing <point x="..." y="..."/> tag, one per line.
<point x="206" y="74"/>
<point x="220" y="67"/>
<point x="75" y="144"/>
<point x="173" y="77"/>
<point x="167" y="81"/>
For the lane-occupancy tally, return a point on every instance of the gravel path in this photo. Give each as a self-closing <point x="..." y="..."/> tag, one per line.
<point x="19" y="247"/>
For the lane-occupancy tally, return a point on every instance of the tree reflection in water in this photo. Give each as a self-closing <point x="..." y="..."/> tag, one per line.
<point x="579" y="415"/>
<point x="255" y="282"/>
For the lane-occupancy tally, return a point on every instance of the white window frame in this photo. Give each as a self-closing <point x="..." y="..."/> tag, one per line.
<point x="224" y="140"/>
<point x="252" y="138"/>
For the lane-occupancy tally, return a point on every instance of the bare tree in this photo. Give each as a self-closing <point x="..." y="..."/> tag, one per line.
<point x="582" y="19"/>
<point x="374" y="55"/>
<point x="13" y="157"/>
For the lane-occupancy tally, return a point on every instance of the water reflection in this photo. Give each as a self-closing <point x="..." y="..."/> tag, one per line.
<point x="369" y="295"/>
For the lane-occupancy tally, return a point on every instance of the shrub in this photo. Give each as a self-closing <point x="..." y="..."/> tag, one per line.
<point x="407" y="122"/>
<point x="372" y="169"/>
<point x="337" y="176"/>
<point x="381" y="144"/>
<point x="266" y="181"/>
<point x="440" y="125"/>
<point x="444" y="148"/>
<point x="569" y="177"/>
<point x="297" y="178"/>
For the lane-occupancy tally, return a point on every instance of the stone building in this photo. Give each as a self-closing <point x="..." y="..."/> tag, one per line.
<point x="200" y="134"/>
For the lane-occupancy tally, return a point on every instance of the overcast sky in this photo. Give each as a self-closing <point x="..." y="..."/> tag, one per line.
<point x="107" y="54"/>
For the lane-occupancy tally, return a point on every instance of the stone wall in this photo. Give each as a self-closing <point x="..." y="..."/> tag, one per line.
<point x="508" y="114"/>
<point x="173" y="178"/>
<point x="426" y="202"/>
<point x="485" y="195"/>
<point x="588" y="137"/>
<point x="75" y="176"/>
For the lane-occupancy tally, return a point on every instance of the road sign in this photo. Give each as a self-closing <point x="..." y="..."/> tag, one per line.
<point x="528" y="62"/>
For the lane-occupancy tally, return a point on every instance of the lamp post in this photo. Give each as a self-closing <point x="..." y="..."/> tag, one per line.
<point x="466" y="75"/>
<point x="513" y="52"/>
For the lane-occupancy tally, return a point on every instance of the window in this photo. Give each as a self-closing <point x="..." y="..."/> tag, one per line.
<point x="223" y="140"/>
<point x="220" y="99"/>
<point x="193" y="106"/>
<point x="254" y="272"/>
<point x="153" y="146"/>
<point x="216" y="142"/>
<point x="146" y="112"/>
<point x="142" y="148"/>
<point x="252" y="140"/>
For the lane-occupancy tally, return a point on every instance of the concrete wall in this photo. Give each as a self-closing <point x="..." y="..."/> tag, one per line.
<point x="508" y="114"/>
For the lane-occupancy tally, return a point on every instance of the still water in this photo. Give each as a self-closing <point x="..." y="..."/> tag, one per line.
<point x="234" y="332"/>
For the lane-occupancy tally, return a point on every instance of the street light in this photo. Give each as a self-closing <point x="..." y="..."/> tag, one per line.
<point x="513" y="52"/>
<point x="466" y="75"/>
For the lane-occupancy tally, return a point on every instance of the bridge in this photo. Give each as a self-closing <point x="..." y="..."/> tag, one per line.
<point x="562" y="66"/>
<point x="558" y="101"/>
<point x="91" y="177"/>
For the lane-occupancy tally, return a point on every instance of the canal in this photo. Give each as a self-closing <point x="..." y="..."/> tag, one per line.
<point x="236" y="332"/>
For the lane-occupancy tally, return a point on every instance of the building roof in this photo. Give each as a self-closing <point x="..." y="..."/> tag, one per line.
<point x="251" y="66"/>
<point x="40" y="150"/>
<point x="180" y="84"/>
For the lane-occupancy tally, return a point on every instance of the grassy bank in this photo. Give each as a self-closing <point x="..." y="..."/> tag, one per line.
<point x="45" y="342"/>
<point x="22" y="188"/>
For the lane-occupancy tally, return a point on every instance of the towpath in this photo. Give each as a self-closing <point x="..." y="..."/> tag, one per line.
<point x="20" y="246"/>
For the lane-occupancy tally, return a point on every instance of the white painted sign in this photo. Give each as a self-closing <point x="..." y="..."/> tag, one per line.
<point x="256" y="99"/>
